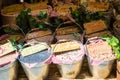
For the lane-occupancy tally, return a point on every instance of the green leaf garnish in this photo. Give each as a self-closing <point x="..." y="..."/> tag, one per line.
<point x="114" y="43"/>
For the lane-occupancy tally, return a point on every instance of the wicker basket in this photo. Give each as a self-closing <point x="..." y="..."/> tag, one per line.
<point x="9" y="17"/>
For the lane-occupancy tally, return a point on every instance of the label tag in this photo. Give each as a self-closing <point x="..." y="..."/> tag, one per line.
<point x="33" y="49"/>
<point x="66" y="46"/>
<point x="6" y="49"/>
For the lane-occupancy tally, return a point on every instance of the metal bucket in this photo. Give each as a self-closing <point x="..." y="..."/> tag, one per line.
<point x="38" y="72"/>
<point x="100" y="65"/>
<point x="116" y="28"/>
<point x="9" y="71"/>
<point x="102" y="70"/>
<point x="36" y="66"/>
<point x="70" y="71"/>
<point x="118" y="70"/>
<point x="69" y="63"/>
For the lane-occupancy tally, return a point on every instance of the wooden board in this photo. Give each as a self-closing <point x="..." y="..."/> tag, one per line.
<point x="97" y="6"/>
<point x="38" y="34"/>
<point x="10" y="37"/>
<point x="6" y="49"/>
<point x="67" y="30"/>
<point x="95" y="26"/>
<point x="66" y="46"/>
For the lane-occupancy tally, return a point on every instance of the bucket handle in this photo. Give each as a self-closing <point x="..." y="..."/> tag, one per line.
<point x="82" y="36"/>
<point x="83" y="31"/>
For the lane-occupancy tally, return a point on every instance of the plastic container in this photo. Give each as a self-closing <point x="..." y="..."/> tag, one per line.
<point x="36" y="66"/>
